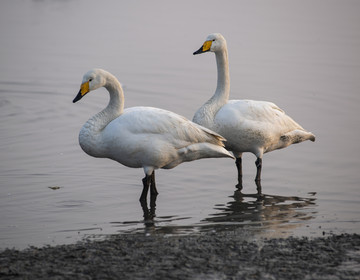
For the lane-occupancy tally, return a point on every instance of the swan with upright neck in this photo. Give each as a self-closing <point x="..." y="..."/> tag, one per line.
<point x="142" y="137"/>
<point x="248" y="126"/>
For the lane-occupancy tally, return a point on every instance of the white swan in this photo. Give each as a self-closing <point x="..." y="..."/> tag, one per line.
<point x="144" y="137"/>
<point x="248" y="126"/>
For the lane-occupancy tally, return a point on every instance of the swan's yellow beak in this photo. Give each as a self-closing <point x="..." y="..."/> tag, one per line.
<point x="84" y="89"/>
<point x="204" y="48"/>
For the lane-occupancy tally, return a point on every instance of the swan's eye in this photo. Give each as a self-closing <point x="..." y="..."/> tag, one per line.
<point x="213" y="40"/>
<point x="90" y="79"/>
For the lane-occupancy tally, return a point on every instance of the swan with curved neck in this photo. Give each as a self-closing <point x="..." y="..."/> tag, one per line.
<point x="248" y="126"/>
<point x="142" y="137"/>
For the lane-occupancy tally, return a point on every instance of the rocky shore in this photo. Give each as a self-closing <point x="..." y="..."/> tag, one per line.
<point x="224" y="255"/>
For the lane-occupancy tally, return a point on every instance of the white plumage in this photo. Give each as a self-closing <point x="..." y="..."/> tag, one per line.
<point x="142" y="137"/>
<point x="248" y="126"/>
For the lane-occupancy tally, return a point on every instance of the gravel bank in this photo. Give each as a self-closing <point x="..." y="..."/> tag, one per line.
<point x="223" y="255"/>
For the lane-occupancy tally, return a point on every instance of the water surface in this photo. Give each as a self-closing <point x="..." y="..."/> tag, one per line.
<point x="303" y="56"/>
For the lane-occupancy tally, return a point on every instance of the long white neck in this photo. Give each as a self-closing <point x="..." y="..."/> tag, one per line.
<point x="223" y="77"/>
<point x="115" y="107"/>
<point x="205" y="115"/>
<point x="90" y="134"/>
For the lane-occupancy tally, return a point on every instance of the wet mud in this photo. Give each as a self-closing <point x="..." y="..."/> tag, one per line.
<point x="220" y="255"/>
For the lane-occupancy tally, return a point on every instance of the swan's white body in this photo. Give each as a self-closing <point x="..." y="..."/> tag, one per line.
<point x="253" y="126"/>
<point x="142" y="137"/>
<point x="149" y="138"/>
<point x="248" y="126"/>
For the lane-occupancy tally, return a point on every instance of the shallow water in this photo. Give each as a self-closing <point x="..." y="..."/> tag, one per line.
<point x="302" y="56"/>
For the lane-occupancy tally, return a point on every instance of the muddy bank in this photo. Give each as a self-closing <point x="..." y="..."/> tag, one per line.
<point x="223" y="255"/>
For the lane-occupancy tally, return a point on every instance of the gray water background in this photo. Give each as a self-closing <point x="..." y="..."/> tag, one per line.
<point x="302" y="55"/>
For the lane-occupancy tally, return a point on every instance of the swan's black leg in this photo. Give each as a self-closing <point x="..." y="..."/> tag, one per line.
<point x="145" y="209"/>
<point x="149" y="181"/>
<point x="146" y="182"/>
<point x="153" y="195"/>
<point x="258" y="188"/>
<point x="258" y="164"/>
<point x="153" y="185"/>
<point x="238" y="163"/>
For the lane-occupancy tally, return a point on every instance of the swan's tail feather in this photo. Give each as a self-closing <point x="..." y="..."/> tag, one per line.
<point x="297" y="136"/>
<point x="199" y="151"/>
<point x="204" y="150"/>
<point x="312" y="137"/>
<point x="216" y="138"/>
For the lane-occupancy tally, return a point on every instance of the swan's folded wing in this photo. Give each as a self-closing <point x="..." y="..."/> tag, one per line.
<point x="158" y="121"/>
<point x="260" y="112"/>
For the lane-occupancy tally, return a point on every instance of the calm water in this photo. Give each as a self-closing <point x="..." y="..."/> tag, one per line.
<point x="303" y="56"/>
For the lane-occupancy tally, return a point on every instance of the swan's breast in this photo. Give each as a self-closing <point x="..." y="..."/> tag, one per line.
<point x="90" y="141"/>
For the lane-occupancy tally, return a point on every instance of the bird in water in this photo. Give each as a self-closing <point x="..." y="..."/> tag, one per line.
<point x="143" y="137"/>
<point x="251" y="126"/>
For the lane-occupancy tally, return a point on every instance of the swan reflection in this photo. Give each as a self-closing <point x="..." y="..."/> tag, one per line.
<point x="262" y="212"/>
<point x="258" y="212"/>
<point x="149" y="213"/>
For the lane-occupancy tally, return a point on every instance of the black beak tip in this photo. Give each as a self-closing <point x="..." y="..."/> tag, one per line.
<point x="77" y="97"/>
<point x="199" y="51"/>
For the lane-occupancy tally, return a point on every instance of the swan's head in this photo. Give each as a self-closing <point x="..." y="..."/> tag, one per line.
<point x="92" y="80"/>
<point x="214" y="42"/>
